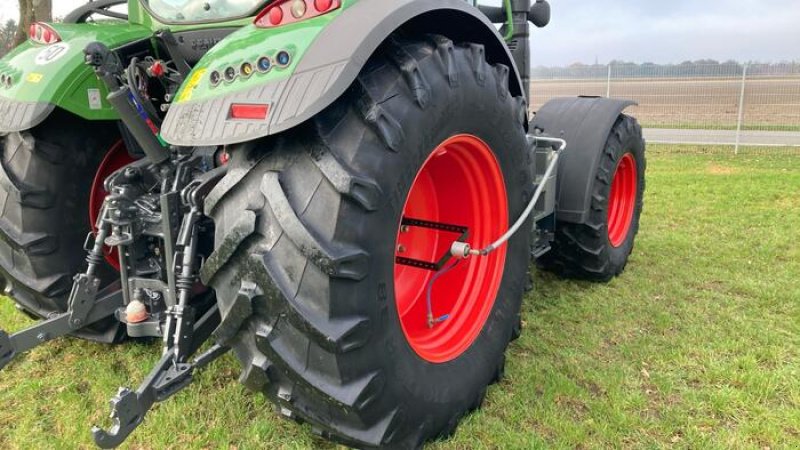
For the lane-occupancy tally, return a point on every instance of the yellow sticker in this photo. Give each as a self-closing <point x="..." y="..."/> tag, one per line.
<point x="34" y="77"/>
<point x="190" y="86"/>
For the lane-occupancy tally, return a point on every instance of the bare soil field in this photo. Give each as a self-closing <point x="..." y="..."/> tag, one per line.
<point x="771" y="104"/>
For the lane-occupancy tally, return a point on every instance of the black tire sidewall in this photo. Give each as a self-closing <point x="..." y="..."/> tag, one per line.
<point x="426" y="388"/>
<point x="59" y="157"/>
<point x="328" y="317"/>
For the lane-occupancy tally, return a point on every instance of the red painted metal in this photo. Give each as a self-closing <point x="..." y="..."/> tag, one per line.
<point x="461" y="183"/>
<point x="116" y="158"/>
<point x="622" y="200"/>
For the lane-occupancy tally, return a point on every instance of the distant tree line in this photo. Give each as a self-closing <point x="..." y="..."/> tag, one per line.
<point x="699" y="68"/>
<point x="8" y="32"/>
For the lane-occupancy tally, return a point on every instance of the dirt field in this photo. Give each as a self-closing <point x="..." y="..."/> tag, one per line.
<point x="770" y="103"/>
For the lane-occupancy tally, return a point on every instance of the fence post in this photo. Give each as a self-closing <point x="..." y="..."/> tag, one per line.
<point x="741" y="111"/>
<point x="608" y="82"/>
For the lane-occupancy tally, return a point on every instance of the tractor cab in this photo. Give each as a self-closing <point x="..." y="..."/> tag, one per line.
<point x="200" y="11"/>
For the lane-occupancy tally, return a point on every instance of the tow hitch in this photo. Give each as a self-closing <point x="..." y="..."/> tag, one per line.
<point x="153" y="218"/>
<point x="183" y="334"/>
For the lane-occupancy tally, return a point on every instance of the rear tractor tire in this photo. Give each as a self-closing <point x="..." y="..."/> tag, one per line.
<point x="598" y="250"/>
<point x="310" y="234"/>
<point x="46" y="180"/>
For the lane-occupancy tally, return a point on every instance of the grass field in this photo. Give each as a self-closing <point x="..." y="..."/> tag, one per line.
<point x="696" y="346"/>
<point x="770" y="104"/>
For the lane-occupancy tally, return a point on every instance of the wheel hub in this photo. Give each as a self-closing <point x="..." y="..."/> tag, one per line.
<point x="460" y="183"/>
<point x="622" y="200"/>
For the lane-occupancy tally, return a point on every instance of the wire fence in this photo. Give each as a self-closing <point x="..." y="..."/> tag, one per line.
<point x="713" y="105"/>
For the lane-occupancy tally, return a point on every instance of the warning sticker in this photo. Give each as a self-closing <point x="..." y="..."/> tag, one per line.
<point x="95" y="101"/>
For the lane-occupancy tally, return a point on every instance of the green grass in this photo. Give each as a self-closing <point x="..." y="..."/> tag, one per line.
<point x="696" y="346"/>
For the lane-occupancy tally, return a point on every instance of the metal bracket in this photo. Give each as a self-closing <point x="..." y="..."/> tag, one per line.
<point x="128" y="408"/>
<point x="81" y="298"/>
<point x="438" y="226"/>
<point x="60" y="325"/>
<point x="182" y="338"/>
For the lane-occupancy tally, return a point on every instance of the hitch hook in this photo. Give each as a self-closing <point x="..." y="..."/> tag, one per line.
<point x="128" y="412"/>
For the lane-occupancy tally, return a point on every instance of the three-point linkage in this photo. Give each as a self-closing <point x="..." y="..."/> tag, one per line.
<point x="183" y="333"/>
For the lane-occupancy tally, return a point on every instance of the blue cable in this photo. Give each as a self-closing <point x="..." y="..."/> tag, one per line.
<point x="444" y="270"/>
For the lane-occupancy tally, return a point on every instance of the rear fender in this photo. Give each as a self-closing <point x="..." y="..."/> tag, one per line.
<point x="585" y="123"/>
<point x="49" y="76"/>
<point x="327" y="54"/>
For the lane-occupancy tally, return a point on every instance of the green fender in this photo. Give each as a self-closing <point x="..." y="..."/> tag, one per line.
<point x="326" y="54"/>
<point x="47" y="76"/>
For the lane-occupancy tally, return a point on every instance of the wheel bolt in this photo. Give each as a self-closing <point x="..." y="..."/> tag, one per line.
<point x="401" y="249"/>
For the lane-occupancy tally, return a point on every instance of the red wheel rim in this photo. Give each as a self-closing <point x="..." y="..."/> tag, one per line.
<point x="461" y="184"/>
<point x="116" y="158"/>
<point x="622" y="200"/>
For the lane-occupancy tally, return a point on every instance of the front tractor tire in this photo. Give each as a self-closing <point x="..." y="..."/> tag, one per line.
<point x="47" y="177"/>
<point x="598" y="249"/>
<point x="310" y="230"/>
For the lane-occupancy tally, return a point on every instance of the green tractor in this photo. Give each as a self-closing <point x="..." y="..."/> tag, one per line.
<point x="346" y="194"/>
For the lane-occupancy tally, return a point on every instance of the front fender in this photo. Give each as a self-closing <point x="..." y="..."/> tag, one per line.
<point x="46" y="76"/>
<point x="328" y="52"/>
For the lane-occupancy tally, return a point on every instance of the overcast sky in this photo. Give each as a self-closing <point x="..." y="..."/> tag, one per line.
<point x="657" y="31"/>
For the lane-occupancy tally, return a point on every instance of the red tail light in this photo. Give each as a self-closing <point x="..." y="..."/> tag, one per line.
<point x="43" y="33"/>
<point x="243" y="111"/>
<point x="283" y="12"/>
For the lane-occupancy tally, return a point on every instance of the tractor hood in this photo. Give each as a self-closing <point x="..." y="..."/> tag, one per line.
<point x="45" y="76"/>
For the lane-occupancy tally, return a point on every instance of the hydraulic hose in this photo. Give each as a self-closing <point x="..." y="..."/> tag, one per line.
<point x="509" y="21"/>
<point x="501" y="14"/>
<point x="463" y="250"/>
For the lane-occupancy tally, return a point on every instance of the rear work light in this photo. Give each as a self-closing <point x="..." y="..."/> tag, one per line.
<point x="42" y="33"/>
<point x="284" y="12"/>
<point x="244" y="111"/>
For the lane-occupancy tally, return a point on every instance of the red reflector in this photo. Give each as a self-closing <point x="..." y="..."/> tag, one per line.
<point x="323" y="5"/>
<point x="249" y="112"/>
<point x="275" y="15"/>
<point x="43" y="34"/>
<point x="279" y="12"/>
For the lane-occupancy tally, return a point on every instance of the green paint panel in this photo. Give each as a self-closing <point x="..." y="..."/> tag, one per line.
<point x="57" y="74"/>
<point x="247" y="45"/>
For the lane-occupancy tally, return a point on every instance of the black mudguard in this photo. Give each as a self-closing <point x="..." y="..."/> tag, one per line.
<point x="584" y="122"/>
